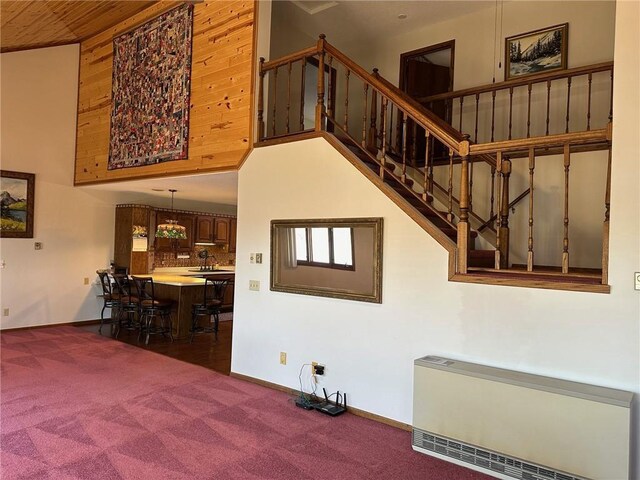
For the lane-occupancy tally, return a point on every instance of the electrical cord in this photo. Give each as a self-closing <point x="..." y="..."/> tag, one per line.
<point x="308" y="399"/>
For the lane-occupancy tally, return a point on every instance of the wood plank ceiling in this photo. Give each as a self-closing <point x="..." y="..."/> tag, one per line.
<point x="28" y="24"/>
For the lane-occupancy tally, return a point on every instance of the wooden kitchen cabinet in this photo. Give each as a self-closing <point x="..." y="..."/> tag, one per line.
<point x="204" y="229"/>
<point x="222" y="230"/>
<point x="128" y="216"/>
<point x="233" y="226"/>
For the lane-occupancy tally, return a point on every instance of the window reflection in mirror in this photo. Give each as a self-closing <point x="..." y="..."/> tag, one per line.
<point x="339" y="258"/>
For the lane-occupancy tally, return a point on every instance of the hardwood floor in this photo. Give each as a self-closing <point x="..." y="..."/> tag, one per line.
<point x="205" y="350"/>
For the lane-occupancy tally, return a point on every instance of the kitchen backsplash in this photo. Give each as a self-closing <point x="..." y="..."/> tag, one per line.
<point x="217" y="254"/>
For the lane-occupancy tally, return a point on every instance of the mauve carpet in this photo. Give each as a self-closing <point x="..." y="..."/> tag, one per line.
<point x="75" y="405"/>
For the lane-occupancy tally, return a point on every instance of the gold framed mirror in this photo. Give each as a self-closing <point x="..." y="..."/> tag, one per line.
<point x="336" y="257"/>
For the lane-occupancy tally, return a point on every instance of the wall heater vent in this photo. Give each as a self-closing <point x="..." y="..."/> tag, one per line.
<point x="486" y="459"/>
<point x="517" y="425"/>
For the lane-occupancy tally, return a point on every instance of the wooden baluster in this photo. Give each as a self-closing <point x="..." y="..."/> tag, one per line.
<point x="428" y="169"/>
<point x="548" y="103"/>
<point x="611" y="98"/>
<point x="589" y="102"/>
<point x="450" y="188"/>
<point x="471" y="184"/>
<point x="261" y="131"/>
<point x="431" y="148"/>
<point x="404" y="148"/>
<point x="503" y="232"/>
<point x="383" y="125"/>
<point x="275" y="101"/>
<point x="510" y="110"/>
<point x="605" y="228"/>
<point x="463" y="223"/>
<point x="390" y="123"/>
<point x="414" y="145"/>
<point x="320" y="108"/>
<point x="346" y="102"/>
<point x="302" y="90"/>
<point x="568" y="101"/>
<point x="475" y="138"/>
<point x="364" y="116"/>
<point x="381" y="118"/>
<point x="373" y="116"/>
<point x="532" y="166"/>
<point x="498" y="260"/>
<point x="330" y="88"/>
<point x="529" y="110"/>
<point x="493" y="113"/>
<point x="288" y="97"/>
<point x="565" y="240"/>
<point x="398" y="137"/>
<point x="493" y="188"/>
<point x="460" y="124"/>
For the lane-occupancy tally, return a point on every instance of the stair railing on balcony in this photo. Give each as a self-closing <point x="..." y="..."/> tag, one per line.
<point x="386" y="126"/>
<point x="571" y="100"/>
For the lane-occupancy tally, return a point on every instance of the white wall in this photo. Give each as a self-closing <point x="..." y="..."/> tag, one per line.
<point x="75" y="226"/>
<point x="369" y="349"/>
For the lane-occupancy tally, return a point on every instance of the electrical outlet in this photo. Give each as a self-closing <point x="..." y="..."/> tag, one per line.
<point x="258" y="258"/>
<point x="637" y="277"/>
<point x="5" y="312"/>
<point x="254" y="285"/>
<point x="86" y="280"/>
<point x="252" y="258"/>
<point x="317" y="369"/>
<point x="283" y="358"/>
<point x="37" y="245"/>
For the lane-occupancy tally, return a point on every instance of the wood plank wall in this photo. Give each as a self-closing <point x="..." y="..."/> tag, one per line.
<point x="220" y="132"/>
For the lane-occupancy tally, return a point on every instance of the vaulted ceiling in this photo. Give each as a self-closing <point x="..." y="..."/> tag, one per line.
<point x="35" y="23"/>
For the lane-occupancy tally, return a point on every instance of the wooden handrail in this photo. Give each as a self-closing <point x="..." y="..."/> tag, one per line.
<point x="577" y="138"/>
<point x="539" y="78"/>
<point x="425" y="118"/>
<point x="292" y="57"/>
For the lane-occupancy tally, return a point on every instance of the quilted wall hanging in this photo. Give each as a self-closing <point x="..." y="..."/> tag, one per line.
<point x="150" y="91"/>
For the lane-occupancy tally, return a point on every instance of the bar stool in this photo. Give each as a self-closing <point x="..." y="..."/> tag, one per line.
<point x="150" y="309"/>
<point x="110" y="299"/>
<point x="128" y="303"/>
<point x="211" y="303"/>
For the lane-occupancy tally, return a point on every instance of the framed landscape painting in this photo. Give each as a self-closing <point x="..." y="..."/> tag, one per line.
<point x="535" y="52"/>
<point x="16" y="204"/>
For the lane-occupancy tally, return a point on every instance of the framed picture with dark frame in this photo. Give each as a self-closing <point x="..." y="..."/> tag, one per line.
<point x="536" y="52"/>
<point x="16" y="204"/>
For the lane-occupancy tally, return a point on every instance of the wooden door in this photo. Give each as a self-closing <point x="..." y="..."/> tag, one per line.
<point x="420" y="77"/>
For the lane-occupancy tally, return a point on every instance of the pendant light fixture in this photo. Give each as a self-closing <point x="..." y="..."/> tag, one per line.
<point x="171" y="229"/>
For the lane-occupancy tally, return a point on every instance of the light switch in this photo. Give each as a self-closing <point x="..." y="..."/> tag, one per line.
<point x="258" y="258"/>
<point x="637" y="277"/>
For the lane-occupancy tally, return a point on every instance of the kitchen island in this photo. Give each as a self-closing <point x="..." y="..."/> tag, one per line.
<point x="185" y="288"/>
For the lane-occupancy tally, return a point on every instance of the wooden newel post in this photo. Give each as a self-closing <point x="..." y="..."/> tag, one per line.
<point x="261" y="132"/>
<point x="503" y="229"/>
<point x="463" y="223"/>
<point x="373" y="130"/>
<point x="320" y="107"/>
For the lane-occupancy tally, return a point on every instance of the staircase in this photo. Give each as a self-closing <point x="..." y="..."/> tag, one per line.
<point x="374" y="122"/>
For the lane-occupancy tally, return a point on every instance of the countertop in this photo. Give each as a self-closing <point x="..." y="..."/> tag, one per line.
<point x="184" y="278"/>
